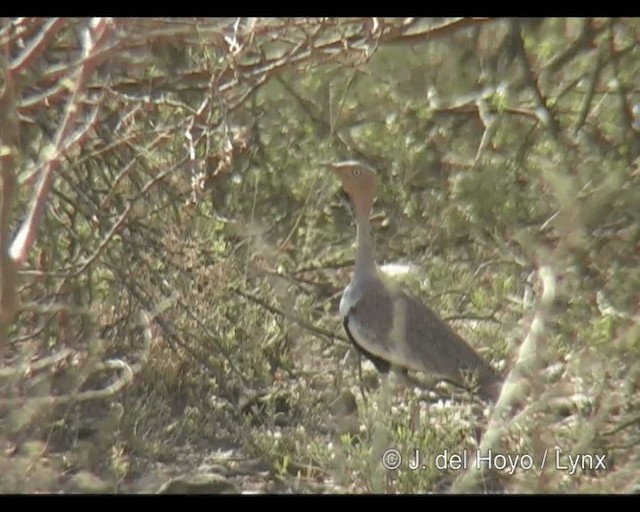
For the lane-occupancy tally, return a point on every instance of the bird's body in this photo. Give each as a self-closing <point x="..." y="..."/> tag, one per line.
<point x="391" y="327"/>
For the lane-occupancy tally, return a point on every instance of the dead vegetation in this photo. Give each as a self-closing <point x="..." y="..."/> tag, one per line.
<point x="172" y="253"/>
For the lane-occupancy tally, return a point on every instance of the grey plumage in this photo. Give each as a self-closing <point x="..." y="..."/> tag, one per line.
<point x="391" y="327"/>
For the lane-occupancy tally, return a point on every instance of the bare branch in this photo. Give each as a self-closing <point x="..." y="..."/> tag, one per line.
<point x="94" y="40"/>
<point x="9" y="141"/>
<point x="125" y="378"/>
<point x="37" y="46"/>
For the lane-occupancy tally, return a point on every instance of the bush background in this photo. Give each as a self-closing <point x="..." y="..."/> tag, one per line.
<point x="174" y="311"/>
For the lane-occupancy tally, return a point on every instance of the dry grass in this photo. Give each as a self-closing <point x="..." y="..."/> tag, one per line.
<point x="178" y="308"/>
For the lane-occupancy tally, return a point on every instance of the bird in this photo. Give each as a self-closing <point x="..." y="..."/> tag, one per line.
<point x="391" y="327"/>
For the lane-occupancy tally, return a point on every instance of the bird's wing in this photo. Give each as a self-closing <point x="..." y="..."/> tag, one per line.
<point x="398" y="328"/>
<point x="437" y="347"/>
<point x="382" y="365"/>
<point x="369" y="321"/>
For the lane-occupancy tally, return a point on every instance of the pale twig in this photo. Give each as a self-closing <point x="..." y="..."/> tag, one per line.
<point x="51" y="400"/>
<point x="95" y="38"/>
<point x="9" y="142"/>
<point x="127" y="373"/>
<point x="516" y="383"/>
<point x="27" y="368"/>
<point x="37" y="45"/>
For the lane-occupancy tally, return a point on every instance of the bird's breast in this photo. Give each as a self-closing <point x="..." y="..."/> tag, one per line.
<point x="348" y="300"/>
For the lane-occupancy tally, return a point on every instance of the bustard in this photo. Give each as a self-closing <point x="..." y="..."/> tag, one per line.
<point x="389" y="326"/>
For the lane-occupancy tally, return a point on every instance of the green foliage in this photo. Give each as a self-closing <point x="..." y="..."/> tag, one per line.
<point x="194" y="236"/>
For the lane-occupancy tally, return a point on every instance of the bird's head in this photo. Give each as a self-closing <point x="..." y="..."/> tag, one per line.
<point x="358" y="181"/>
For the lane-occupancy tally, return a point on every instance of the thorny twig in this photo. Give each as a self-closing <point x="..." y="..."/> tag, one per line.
<point x="316" y="331"/>
<point x="545" y="115"/>
<point x="95" y="38"/>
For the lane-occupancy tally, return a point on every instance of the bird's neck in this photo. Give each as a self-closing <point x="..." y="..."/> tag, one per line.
<point x="365" y="263"/>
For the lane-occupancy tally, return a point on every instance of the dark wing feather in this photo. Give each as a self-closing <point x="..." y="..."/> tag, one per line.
<point x="433" y="342"/>
<point x="370" y="320"/>
<point x="441" y="350"/>
<point x="390" y="325"/>
<point x="381" y="365"/>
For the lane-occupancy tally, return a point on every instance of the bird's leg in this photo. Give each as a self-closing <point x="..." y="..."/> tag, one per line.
<point x="384" y="400"/>
<point x="361" y="382"/>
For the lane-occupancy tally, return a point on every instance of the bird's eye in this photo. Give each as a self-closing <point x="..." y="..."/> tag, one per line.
<point x="355" y="172"/>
